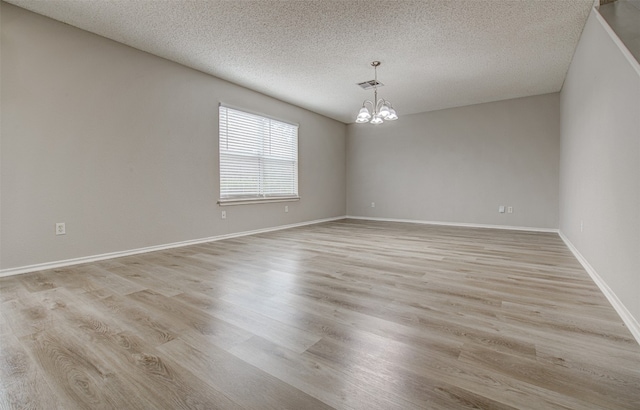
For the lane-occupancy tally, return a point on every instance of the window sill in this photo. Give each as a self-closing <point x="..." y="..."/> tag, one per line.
<point x="248" y="201"/>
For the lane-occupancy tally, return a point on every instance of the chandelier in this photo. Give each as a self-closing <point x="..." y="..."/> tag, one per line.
<point x="381" y="109"/>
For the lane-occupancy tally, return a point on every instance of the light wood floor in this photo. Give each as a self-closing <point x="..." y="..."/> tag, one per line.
<point x="348" y="315"/>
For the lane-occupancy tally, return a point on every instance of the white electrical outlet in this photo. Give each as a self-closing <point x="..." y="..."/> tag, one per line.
<point x="224" y="215"/>
<point x="286" y="208"/>
<point x="509" y="209"/>
<point x="373" y="204"/>
<point x="501" y="209"/>
<point x="61" y="228"/>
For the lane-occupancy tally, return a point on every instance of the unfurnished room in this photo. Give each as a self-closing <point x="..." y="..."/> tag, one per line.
<point x="320" y="204"/>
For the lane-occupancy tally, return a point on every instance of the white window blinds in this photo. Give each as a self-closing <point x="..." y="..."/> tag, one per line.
<point x="258" y="156"/>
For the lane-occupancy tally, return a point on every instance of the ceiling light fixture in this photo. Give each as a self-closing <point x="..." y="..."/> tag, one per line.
<point x="380" y="109"/>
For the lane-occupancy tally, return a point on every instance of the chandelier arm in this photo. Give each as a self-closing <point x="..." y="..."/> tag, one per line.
<point x="370" y="102"/>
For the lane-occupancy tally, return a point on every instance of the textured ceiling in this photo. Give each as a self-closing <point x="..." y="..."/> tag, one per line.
<point x="435" y="54"/>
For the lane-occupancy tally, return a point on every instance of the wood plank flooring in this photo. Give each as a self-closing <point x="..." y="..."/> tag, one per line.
<point x="346" y="315"/>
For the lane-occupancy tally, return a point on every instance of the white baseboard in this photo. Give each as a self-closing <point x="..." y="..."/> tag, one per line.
<point x="467" y="225"/>
<point x="625" y="315"/>
<point x="119" y="254"/>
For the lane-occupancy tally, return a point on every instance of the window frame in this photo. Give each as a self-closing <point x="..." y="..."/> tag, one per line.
<point x="261" y="197"/>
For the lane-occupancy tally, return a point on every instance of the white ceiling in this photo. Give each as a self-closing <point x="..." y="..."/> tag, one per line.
<point x="435" y="53"/>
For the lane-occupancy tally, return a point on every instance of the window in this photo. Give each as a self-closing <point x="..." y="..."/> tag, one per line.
<point x="258" y="157"/>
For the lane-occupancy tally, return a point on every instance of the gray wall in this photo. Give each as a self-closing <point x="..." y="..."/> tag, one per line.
<point x="122" y="147"/>
<point x="600" y="162"/>
<point x="624" y="17"/>
<point x="458" y="165"/>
